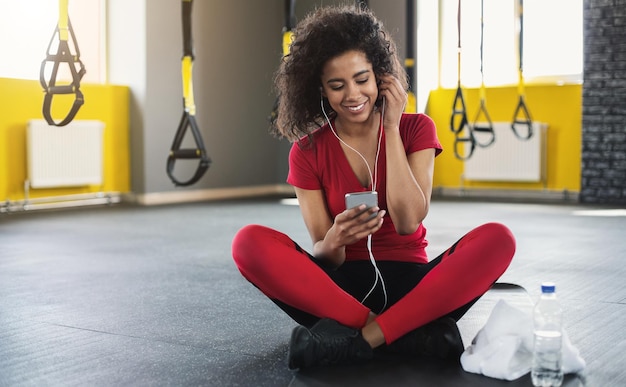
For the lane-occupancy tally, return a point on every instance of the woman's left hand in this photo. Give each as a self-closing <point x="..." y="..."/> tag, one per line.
<point x="396" y="97"/>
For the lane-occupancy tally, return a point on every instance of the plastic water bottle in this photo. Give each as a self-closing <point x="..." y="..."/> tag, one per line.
<point x="547" y="315"/>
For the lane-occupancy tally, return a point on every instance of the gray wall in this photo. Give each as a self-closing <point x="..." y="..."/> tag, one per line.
<point x="237" y="48"/>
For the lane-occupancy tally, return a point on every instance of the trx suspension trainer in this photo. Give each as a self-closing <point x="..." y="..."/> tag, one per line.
<point x="63" y="55"/>
<point x="521" y="117"/>
<point x="290" y="21"/>
<point x="482" y="113"/>
<point x="188" y="119"/>
<point x="458" y="120"/>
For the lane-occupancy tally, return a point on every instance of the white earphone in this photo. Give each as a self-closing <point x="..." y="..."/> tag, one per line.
<point x="373" y="182"/>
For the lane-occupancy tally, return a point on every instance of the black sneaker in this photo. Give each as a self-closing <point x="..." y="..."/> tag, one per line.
<point x="440" y="339"/>
<point x="327" y="343"/>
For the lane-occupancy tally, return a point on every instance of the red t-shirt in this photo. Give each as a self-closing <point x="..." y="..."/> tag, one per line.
<point x="325" y="166"/>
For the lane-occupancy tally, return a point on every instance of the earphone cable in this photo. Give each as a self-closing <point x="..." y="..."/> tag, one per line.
<point x="373" y="178"/>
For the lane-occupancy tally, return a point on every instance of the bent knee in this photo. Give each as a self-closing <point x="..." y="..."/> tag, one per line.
<point x="254" y="241"/>
<point x="501" y="237"/>
<point x="249" y="234"/>
<point x="500" y="230"/>
<point x="245" y="241"/>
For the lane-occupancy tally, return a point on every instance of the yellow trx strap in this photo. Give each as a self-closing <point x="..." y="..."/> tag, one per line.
<point x="188" y="119"/>
<point x="482" y="121"/>
<point x="458" y="120"/>
<point x="287" y="39"/>
<point x="409" y="62"/>
<point x="522" y="125"/>
<point x="63" y="55"/>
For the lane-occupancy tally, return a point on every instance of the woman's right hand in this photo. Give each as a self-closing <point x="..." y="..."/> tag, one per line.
<point x="330" y="236"/>
<point x="355" y="224"/>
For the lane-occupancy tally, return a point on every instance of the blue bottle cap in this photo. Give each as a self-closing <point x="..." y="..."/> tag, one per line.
<point x="548" y="287"/>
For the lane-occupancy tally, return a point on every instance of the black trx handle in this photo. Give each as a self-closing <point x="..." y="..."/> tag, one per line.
<point x="188" y="119"/>
<point x="482" y="116"/>
<point x="458" y="120"/>
<point x="521" y="117"/>
<point x="460" y="151"/>
<point x="483" y="124"/>
<point x="64" y="55"/>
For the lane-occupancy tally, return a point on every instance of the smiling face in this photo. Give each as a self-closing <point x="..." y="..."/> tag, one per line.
<point x="349" y="83"/>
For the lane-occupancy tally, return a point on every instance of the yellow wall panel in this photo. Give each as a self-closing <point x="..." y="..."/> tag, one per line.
<point x="21" y="101"/>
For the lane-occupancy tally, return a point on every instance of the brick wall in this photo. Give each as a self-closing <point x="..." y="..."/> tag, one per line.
<point x="604" y="103"/>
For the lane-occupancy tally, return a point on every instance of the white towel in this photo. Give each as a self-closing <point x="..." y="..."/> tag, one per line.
<point x="502" y="349"/>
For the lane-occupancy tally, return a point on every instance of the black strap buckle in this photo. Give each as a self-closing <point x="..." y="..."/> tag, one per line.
<point x="63" y="55"/>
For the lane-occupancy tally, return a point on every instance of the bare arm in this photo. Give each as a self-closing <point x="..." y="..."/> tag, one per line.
<point x="409" y="179"/>
<point x="409" y="188"/>
<point x="331" y="237"/>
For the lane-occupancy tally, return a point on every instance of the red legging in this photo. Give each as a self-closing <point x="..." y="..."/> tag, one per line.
<point x="288" y="275"/>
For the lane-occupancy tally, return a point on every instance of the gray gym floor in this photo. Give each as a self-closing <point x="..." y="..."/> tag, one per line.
<point x="150" y="296"/>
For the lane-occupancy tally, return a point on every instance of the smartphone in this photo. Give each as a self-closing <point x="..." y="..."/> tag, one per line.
<point x="355" y="199"/>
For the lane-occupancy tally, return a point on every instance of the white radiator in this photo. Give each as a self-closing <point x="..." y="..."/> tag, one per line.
<point x="509" y="159"/>
<point x="66" y="156"/>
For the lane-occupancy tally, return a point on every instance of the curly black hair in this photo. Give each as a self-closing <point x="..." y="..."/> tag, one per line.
<point x="322" y="35"/>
